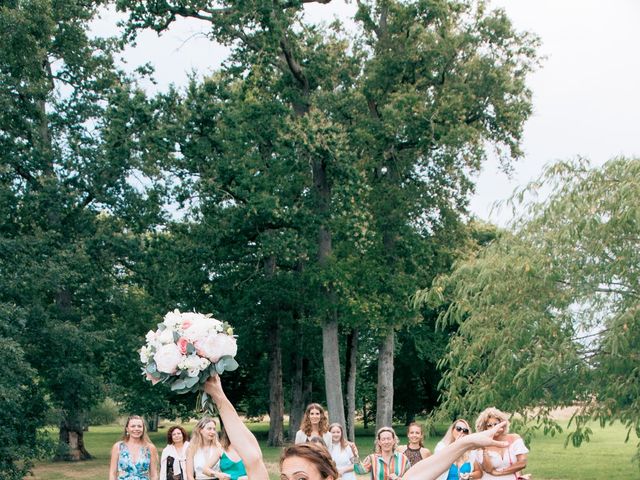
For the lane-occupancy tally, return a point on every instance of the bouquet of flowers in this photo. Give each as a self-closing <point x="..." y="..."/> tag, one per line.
<point x="186" y="349"/>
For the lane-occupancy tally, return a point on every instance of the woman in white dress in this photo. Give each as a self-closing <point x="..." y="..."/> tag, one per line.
<point x="174" y="455"/>
<point x="501" y="463"/>
<point x="342" y="452"/>
<point x="314" y="424"/>
<point x="204" y="451"/>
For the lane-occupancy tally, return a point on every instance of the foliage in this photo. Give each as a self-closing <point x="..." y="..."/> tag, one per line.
<point x="547" y="315"/>
<point x="75" y="131"/>
<point x="21" y="412"/>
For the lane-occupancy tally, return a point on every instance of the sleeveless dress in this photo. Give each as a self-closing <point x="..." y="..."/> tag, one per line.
<point x="509" y="458"/>
<point x="342" y="458"/>
<point x="127" y="469"/>
<point x="200" y="461"/>
<point x="234" y="469"/>
<point x="454" y="471"/>
<point x="413" y="455"/>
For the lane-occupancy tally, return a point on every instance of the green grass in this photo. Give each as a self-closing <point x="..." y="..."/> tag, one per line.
<point x="605" y="456"/>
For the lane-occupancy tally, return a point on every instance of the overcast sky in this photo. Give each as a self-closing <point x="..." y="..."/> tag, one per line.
<point x="586" y="96"/>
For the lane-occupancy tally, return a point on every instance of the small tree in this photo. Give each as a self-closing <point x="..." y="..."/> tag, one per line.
<point x="549" y="314"/>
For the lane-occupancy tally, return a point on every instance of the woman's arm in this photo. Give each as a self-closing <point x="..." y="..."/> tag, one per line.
<point x="113" y="464"/>
<point x="241" y="438"/>
<point x="519" y="464"/>
<point x="430" y="468"/>
<point x="476" y="471"/>
<point x="209" y="468"/>
<point x="425" y="453"/>
<point x="189" y="467"/>
<point x="153" y="468"/>
<point x="363" y="467"/>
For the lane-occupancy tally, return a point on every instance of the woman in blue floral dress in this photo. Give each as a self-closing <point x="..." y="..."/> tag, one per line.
<point x="134" y="457"/>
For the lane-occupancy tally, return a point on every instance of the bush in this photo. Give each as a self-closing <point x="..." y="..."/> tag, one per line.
<point x="22" y="410"/>
<point x="105" y="413"/>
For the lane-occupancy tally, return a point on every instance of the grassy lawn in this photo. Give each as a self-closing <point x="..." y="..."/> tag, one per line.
<point x="605" y="456"/>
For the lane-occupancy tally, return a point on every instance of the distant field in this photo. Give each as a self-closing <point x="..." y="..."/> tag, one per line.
<point x="606" y="456"/>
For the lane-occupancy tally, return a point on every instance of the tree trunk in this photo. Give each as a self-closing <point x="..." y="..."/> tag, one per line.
<point x="153" y="421"/>
<point x="276" y="394"/>
<point x="332" y="378"/>
<point x="71" y="436"/>
<point x="365" y="414"/>
<point x="297" y="395"/>
<point x="384" y="407"/>
<point x="350" y="382"/>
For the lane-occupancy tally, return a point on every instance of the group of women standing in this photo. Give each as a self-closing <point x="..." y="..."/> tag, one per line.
<point x="206" y="456"/>
<point x="391" y="461"/>
<point x="321" y="451"/>
<point x="491" y="463"/>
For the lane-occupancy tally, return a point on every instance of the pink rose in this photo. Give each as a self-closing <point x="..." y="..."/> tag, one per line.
<point x="216" y="346"/>
<point x="186" y="324"/>
<point x="167" y="358"/>
<point x="153" y="380"/>
<point x="182" y="345"/>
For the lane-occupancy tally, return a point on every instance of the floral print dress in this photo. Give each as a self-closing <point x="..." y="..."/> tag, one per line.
<point x="128" y="470"/>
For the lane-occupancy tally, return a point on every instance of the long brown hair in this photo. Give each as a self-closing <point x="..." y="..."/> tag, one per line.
<point x="306" y="421"/>
<point x="314" y="453"/>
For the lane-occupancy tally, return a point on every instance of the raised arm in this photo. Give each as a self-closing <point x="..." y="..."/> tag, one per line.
<point x="241" y="438"/>
<point x="431" y="468"/>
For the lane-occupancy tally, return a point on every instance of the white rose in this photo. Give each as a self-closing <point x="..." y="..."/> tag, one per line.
<point x="204" y="363"/>
<point x="171" y="319"/>
<point x="216" y="346"/>
<point x="150" y="337"/>
<point x="195" y="328"/>
<point x="167" y="358"/>
<point x="166" y="336"/>
<point x="145" y="353"/>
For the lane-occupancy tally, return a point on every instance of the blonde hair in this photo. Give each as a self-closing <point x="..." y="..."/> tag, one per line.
<point x="197" y="439"/>
<point x="491" y="412"/>
<point x="145" y="437"/>
<point x="448" y="438"/>
<point x="343" y="438"/>
<point x="306" y="421"/>
<point x="396" y="440"/>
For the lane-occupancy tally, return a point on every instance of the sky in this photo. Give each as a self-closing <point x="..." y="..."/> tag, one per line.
<point x="586" y="95"/>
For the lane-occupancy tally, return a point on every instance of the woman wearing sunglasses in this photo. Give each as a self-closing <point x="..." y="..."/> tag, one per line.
<point x="466" y="466"/>
<point x="502" y="463"/>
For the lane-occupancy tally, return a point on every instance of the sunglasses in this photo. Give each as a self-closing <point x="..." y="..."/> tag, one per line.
<point x="464" y="430"/>
<point x="491" y="425"/>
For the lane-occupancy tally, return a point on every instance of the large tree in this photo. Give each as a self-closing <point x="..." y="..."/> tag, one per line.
<point x="389" y="124"/>
<point x="75" y="188"/>
<point x="547" y="315"/>
<point x="443" y="83"/>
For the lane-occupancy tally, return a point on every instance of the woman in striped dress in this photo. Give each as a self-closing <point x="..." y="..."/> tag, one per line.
<point x="385" y="463"/>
